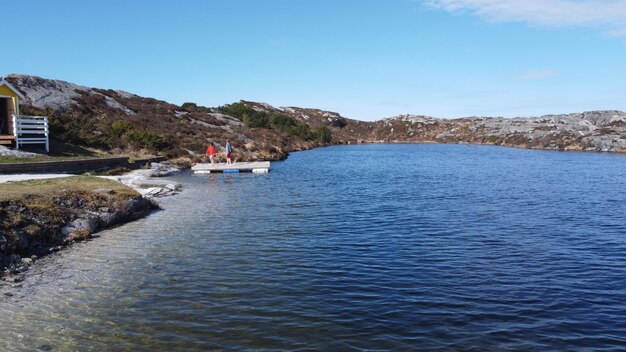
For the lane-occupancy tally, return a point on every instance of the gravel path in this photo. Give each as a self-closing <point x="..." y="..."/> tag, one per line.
<point x="25" y="177"/>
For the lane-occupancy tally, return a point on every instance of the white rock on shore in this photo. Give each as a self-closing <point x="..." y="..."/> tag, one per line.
<point x="146" y="182"/>
<point x="4" y="151"/>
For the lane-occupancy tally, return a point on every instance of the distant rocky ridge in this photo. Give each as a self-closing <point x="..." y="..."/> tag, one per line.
<point x="119" y="121"/>
<point x="588" y="131"/>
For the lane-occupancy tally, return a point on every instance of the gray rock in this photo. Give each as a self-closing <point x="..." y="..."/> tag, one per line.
<point x="90" y="223"/>
<point x="147" y="183"/>
<point x="4" y="151"/>
<point x="59" y="95"/>
<point x="138" y="206"/>
<point x="162" y="169"/>
<point x="105" y="190"/>
<point x="3" y="243"/>
<point x="15" y="259"/>
<point x="22" y="239"/>
<point x="109" y="218"/>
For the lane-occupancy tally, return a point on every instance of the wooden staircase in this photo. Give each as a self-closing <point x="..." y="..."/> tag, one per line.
<point x="7" y="139"/>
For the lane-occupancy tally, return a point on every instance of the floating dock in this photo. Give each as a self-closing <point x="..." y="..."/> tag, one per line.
<point x="257" y="167"/>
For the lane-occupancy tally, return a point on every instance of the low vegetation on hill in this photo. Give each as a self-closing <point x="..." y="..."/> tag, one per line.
<point x="254" y="118"/>
<point x="118" y="122"/>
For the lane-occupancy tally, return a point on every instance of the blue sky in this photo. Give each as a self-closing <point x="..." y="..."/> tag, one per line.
<point x="366" y="59"/>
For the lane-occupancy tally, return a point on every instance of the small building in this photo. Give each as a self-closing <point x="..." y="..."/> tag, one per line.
<point x="17" y="129"/>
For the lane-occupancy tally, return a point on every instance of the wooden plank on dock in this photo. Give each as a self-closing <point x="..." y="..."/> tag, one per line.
<point x="257" y="167"/>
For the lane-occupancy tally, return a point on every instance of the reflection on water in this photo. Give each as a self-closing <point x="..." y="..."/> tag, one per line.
<point x="455" y="248"/>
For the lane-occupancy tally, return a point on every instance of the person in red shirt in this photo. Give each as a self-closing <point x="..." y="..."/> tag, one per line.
<point x="211" y="152"/>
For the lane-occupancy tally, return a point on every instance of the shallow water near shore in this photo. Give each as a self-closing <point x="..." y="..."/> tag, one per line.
<point x="377" y="247"/>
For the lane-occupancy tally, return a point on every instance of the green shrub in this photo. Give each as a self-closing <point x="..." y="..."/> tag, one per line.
<point x="256" y="119"/>
<point x="283" y="122"/>
<point x="494" y="140"/>
<point x="261" y="119"/>
<point x="119" y="128"/>
<point x="324" y="135"/>
<point x="237" y="110"/>
<point x="190" y="107"/>
<point x="301" y="131"/>
<point x="147" y="139"/>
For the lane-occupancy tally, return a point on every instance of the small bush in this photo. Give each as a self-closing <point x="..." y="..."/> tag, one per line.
<point x="324" y="135"/>
<point x="262" y="119"/>
<point x="283" y="122"/>
<point x="147" y="139"/>
<point x="189" y="107"/>
<point x="256" y="119"/>
<point x="494" y="140"/>
<point x="119" y="128"/>
<point x="301" y="131"/>
<point x="237" y="110"/>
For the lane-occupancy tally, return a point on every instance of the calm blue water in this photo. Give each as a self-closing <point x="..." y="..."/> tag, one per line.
<point x="374" y="247"/>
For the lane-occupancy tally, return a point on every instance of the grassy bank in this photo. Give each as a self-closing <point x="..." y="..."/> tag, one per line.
<point x="39" y="216"/>
<point x="33" y="189"/>
<point x="39" y="158"/>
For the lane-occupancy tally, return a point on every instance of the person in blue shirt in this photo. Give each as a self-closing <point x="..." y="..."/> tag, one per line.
<point x="229" y="151"/>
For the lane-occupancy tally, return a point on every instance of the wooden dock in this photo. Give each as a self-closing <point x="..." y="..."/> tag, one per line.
<point x="259" y="167"/>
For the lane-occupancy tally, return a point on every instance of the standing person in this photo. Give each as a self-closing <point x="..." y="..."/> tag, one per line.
<point x="229" y="150"/>
<point x="211" y="152"/>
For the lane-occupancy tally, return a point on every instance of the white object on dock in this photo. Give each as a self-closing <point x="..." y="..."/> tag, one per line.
<point x="255" y="167"/>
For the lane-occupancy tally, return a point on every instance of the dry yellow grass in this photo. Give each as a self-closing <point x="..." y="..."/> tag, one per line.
<point x="56" y="186"/>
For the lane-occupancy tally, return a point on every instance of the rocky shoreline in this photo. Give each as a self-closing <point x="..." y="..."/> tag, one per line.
<point x="39" y="225"/>
<point x="22" y="248"/>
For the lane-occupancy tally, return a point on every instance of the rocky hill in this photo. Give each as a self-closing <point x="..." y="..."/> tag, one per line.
<point x="121" y="122"/>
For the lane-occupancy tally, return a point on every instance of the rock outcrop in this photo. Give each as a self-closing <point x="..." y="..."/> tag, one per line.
<point x="39" y="225"/>
<point x="588" y="131"/>
<point x="148" y="183"/>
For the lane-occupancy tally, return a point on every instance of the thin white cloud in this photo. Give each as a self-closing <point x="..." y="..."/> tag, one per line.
<point x="607" y="14"/>
<point x="538" y="74"/>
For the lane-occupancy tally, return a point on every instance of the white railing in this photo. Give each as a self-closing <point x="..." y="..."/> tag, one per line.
<point x="31" y="130"/>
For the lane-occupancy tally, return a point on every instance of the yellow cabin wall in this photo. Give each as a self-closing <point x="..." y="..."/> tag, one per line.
<point x="6" y="91"/>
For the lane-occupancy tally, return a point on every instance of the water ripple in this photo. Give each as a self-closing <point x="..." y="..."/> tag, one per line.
<point x="457" y="248"/>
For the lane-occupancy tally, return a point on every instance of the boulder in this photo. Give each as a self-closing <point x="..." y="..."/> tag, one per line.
<point x="109" y="218"/>
<point x="22" y="239"/>
<point x="90" y="224"/>
<point x="105" y="190"/>
<point x="162" y="170"/>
